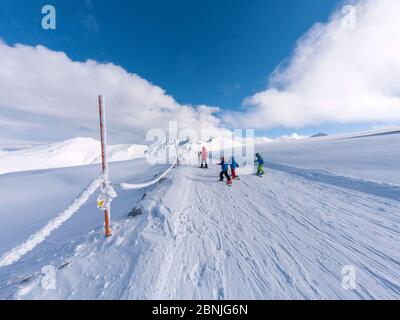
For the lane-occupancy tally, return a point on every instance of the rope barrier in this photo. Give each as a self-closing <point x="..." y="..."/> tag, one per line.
<point x="34" y="240"/>
<point x="130" y="186"/>
<point x="18" y="252"/>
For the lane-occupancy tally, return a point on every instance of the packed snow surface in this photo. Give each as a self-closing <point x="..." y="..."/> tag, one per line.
<point x="325" y="204"/>
<point x="371" y="156"/>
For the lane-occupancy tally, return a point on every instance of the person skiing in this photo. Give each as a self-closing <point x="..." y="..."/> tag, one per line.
<point x="224" y="171"/>
<point x="260" y="162"/>
<point x="204" y="157"/>
<point x="234" y="165"/>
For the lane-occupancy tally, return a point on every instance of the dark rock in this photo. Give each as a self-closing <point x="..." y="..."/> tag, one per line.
<point x="26" y="280"/>
<point x="135" y="212"/>
<point x="64" y="266"/>
<point x="319" y="135"/>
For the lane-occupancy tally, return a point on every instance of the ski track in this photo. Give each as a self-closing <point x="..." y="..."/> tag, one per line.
<point x="282" y="236"/>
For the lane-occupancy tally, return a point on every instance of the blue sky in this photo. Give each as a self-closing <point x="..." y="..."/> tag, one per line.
<point x="208" y="52"/>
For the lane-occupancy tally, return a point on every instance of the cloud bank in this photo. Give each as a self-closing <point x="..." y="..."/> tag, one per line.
<point x="335" y="74"/>
<point x="45" y="96"/>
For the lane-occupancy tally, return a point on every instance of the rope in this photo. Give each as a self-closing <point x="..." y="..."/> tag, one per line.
<point x="18" y="252"/>
<point x="130" y="186"/>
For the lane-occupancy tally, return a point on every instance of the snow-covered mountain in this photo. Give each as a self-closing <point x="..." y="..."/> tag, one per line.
<point x="188" y="148"/>
<point x="74" y="152"/>
<point x="84" y="151"/>
<point x="292" y="137"/>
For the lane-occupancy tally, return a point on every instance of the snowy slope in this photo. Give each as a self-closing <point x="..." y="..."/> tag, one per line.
<point x="287" y="235"/>
<point x="293" y="136"/>
<point x="74" y="152"/>
<point x="371" y="156"/>
<point x="82" y="151"/>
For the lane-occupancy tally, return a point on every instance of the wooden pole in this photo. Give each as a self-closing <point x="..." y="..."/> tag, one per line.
<point x="104" y="161"/>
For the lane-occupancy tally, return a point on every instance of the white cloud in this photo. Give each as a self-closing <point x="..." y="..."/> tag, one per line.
<point x="335" y="75"/>
<point x="45" y="96"/>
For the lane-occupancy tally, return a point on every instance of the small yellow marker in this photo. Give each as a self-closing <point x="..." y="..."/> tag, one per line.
<point x="100" y="204"/>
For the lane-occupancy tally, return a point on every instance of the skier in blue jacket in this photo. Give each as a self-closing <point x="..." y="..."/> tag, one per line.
<point x="260" y="162"/>
<point x="224" y="171"/>
<point x="234" y="165"/>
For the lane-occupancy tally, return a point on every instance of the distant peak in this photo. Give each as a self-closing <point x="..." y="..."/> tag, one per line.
<point x="319" y="135"/>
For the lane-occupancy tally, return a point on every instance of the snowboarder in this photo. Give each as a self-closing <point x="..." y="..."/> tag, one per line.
<point x="224" y="171"/>
<point x="260" y="167"/>
<point x="234" y="165"/>
<point x="204" y="157"/>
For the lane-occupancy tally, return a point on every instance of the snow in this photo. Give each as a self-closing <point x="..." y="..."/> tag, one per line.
<point x="371" y="156"/>
<point x="324" y="204"/>
<point x="74" y="152"/>
<point x="132" y="186"/>
<point x="293" y="136"/>
<point x="16" y="254"/>
<point x="83" y="151"/>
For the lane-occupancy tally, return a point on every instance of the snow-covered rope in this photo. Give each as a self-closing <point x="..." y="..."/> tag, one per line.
<point x="130" y="186"/>
<point x="18" y="252"/>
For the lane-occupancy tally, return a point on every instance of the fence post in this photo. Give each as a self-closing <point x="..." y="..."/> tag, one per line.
<point x="104" y="160"/>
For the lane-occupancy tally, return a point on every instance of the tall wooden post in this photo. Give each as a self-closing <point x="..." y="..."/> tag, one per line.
<point x="104" y="160"/>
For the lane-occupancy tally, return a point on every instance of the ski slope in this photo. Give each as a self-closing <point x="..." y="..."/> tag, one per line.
<point x="368" y="156"/>
<point x="284" y="236"/>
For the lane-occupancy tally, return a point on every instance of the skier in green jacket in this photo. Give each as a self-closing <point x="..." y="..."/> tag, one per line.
<point x="260" y="166"/>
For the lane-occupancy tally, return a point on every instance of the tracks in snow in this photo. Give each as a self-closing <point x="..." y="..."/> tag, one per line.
<point x="281" y="237"/>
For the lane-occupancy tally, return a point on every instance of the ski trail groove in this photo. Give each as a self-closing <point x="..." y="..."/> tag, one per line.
<point x="282" y="236"/>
